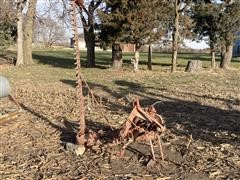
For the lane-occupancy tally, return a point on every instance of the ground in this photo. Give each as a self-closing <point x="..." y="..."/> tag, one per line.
<point x="201" y="110"/>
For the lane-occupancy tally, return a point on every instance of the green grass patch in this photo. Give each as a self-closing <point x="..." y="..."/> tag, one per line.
<point x="64" y="58"/>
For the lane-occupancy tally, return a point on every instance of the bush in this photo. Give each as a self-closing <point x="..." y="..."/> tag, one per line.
<point x="6" y="35"/>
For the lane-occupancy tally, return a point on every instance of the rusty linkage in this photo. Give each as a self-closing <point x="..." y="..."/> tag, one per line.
<point x="143" y="124"/>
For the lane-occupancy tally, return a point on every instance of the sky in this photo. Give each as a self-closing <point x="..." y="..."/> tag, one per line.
<point x="196" y="44"/>
<point x="43" y="6"/>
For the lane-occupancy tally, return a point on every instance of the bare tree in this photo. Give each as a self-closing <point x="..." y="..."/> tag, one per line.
<point x="87" y="13"/>
<point x="48" y="31"/>
<point x="25" y="17"/>
<point x="20" y="4"/>
<point x="179" y="7"/>
<point x="28" y="31"/>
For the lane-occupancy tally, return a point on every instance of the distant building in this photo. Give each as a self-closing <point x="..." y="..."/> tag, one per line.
<point x="82" y="45"/>
<point x="128" y="47"/>
<point x="236" y="48"/>
<point x="81" y="42"/>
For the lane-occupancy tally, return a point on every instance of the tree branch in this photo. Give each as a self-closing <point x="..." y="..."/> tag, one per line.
<point x="83" y="18"/>
<point x="85" y="10"/>
<point x="97" y="4"/>
<point x="186" y="5"/>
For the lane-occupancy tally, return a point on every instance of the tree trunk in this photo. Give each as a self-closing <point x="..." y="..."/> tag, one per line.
<point x="89" y="37"/>
<point x="223" y="51"/>
<point x="194" y="66"/>
<point x="150" y="56"/>
<point x="88" y="26"/>
<point x="135" y="60"/>
<point x="226" y="56"/>
<point x="175" y="36"/>
<point x="19" y="34"/>
<point x="116" y="56"/>
<point x="28" y="32"/>
<point x="213" y="57"/>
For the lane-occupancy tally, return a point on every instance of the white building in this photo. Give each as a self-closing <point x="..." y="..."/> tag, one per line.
<point x="81" y="42"/>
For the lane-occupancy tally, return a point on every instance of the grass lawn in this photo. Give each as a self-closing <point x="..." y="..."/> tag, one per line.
<point x="103" y="59"/>
<point x="58" y="62"/>
<point x="204" y="106"/>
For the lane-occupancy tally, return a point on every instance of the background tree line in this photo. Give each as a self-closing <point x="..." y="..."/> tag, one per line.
<point x="219" y="21"/>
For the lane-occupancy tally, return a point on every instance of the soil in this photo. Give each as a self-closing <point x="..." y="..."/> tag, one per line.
<point x="202" y="139"/>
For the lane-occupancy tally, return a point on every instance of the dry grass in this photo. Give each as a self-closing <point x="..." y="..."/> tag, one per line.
<point x="204" y="106"/>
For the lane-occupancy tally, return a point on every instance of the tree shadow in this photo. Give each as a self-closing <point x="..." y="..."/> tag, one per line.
<point x="110" y="105"/>
<point x="62" y="62"/>
<point x="182" y="117"/>
<point x="103" y="59"/>
<point x="66" y="62"/>
<point x="69" y="82"/>
<point x="235" y="59"/>
<point x="68" y="128"/>
<point x="229" y="102"/>
<point x="202" y="121"/>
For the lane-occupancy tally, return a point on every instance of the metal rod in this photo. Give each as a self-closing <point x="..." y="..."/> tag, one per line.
<point x="15" y="101"/>
<point x="153" y="154"/>
<point x="160" y="147"/>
